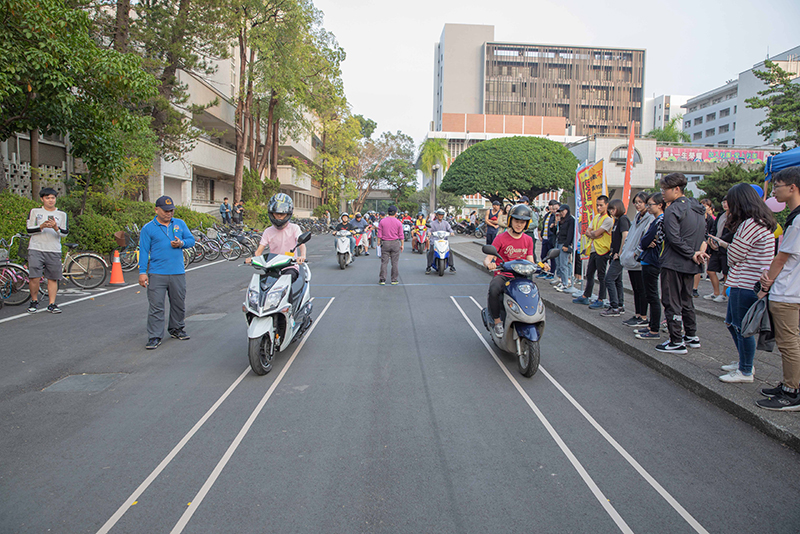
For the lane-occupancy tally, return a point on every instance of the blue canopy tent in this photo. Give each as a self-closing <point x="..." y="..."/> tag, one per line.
<point x="790" y="158"/>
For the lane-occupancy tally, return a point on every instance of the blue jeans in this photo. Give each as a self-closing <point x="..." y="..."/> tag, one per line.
<point x="564" y="266"/>
<point x="739" y="302"/>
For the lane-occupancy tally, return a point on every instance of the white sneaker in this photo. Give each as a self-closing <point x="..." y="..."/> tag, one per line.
<point x="736" y="376"/>
<point x="720" y="298"/>
<point x="559" y="287"/>
<point x="733" y="366"/>
<point x="710" y="296"/>
<point x="499" y="330"/>
<point x="555" y="281"/>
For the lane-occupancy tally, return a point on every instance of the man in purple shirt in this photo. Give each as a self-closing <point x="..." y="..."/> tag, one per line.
<point x="390" y="239"/>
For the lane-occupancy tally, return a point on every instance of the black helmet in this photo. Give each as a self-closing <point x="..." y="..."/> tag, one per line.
<point x="521" y="212"/>
<point x="280" y="203"/>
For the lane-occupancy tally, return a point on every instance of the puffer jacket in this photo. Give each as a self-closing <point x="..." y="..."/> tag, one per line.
<point x="684" y="233"/>
<point x="627" y="256"/>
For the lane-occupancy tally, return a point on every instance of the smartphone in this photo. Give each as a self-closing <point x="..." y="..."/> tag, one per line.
<point x="50" y="217"/>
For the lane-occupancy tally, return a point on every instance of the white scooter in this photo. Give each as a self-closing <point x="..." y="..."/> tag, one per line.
<point x="343" y="248"/>
<point x="523" y="314"/>
<point x="406" y="231"/>
<point x="441" y="251"/>
<point x="278" y="312"/>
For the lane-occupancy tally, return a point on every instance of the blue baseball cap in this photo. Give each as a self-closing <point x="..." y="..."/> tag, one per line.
<point x="165" y="203"/>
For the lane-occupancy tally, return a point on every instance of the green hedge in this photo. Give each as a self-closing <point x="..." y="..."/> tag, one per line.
<point x="94" y="230"/>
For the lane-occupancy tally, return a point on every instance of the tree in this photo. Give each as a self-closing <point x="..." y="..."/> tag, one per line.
<point x="367" y="126"/>
<point x="717" y="184"/>
<point x="781" y="99"/>
<point x="447" y="201"/>
<point x="433" y="152"/>
<point x="398" y="176"/>
<point x="338" y="153"/>
<point x="372" y="155"/>
<point x="505" y="168"/>
<point x="671" y="133"/>
<point x="55" y="79"/>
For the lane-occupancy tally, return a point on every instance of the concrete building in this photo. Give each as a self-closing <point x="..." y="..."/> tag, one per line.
<point x="597" y="90"/>
<point x="710" y="118"/>
<point x="721" y="117"/>
<point x="659" y="110"/>
<point x="749" y="86"/>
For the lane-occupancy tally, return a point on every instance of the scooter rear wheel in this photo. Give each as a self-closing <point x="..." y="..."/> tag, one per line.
<point x="528" y="361"/>
<point x="258" y="351"/>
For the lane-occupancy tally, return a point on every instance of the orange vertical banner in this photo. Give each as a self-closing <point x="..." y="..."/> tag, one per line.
<point x="626" y="189"/>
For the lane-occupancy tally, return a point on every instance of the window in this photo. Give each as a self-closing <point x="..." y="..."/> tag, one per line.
<point x="710" y="132"/>
<point x="687" y="125"/>
<point x="697" y="135"/>
<point x="734" y="109"/>
<point x="698" y="120"/>
<point x="724" y="112"/>
<point x="734" y="125"/>
<point x="724" y="128"/>
<point x="711" y="117"/>
<point x="693" y="108"/>
<point x="722" y="143"/>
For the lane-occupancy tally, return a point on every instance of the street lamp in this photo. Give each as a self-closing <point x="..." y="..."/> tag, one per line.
<point x="434" y="173"/>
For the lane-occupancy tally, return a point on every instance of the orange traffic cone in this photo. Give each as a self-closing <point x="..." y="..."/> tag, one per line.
<point x="116" y="271"/>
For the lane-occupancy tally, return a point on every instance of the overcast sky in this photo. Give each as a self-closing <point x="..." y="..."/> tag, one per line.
<point x="692" y="46"/>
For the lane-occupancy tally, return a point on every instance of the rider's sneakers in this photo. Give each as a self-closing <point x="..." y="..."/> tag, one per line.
<point x="427" y="270"/>
<point x="33" y="306"/>
<point x="499" y="330"/>
<point x="452" y="269"/>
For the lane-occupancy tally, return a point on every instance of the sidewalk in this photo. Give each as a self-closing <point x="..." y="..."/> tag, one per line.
<point x="697" y="371"/>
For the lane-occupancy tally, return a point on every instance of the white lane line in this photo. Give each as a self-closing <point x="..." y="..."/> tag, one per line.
<point x="102" y="293"/>
<point x="165" y="462"/>
<point x="625" y="454"/>
<point x="587" y="479"/>
<point x="212" y="478"/>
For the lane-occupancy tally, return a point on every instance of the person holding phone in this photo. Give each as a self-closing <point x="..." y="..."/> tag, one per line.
<point x="162" y="272"/>
<point x="46" y="226"/>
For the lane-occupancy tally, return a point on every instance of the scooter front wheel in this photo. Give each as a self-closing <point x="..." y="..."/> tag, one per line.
<point x="528" y="360"/>
<point x="258" y="350"/>
<point x="342" y="261"/>
<point x="440" y="266"/>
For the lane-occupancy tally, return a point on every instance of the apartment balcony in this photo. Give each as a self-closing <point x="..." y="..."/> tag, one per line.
<point x="291" y="178"/>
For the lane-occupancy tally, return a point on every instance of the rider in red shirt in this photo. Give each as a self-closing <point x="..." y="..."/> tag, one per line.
<point x="514" y="244"/>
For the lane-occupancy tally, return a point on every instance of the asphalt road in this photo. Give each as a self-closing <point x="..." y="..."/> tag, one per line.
<point x="391" y="416"/>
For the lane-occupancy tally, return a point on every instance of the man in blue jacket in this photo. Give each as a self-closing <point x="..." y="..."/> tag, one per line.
<point x="161" y="271"/>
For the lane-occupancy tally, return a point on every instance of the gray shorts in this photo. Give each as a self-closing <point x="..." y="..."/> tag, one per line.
<point x="47" y="264"/>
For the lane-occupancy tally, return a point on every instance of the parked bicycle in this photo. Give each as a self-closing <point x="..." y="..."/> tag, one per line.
<point x="14" y="288"/>
<point x="86" y="270"/>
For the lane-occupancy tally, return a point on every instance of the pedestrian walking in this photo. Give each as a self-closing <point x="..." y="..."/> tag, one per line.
<point x="225" y="211"/>
<point x="46" y="226"/>
<point x="651" y="245"/>
<point x="599" y="235"/>
<point x="782" y="280"/>
<point x="390" y="241"/>
<point x="681" y="259"/>
<point x="161" y="271"/>
<point x="627" y="257"/>
<point x="619" y="234"/>
<point x="749" y="255"/>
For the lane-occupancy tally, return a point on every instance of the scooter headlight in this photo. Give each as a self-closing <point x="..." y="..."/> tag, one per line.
<point x="524" y="269"/>
<point x="252" y="298"/>
<point x="513" y="306"/>
<point x="274" y="297"/>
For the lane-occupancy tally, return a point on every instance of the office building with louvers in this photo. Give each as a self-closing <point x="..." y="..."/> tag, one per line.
<point x="597" y="90"/>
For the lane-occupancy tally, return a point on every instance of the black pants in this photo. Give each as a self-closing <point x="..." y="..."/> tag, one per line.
<point x="491" y="233"/>
<point x="597" y="264"/>
<point x="616" y="296"/>
<point x="547" y="246"/>
<point x="650" y="276"/>
<point x="639" y="296"/>
<point x="676" y="295"/>
<point x="496" y="288"/>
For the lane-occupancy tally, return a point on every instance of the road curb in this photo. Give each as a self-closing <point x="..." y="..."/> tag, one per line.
<point x="681" y="372"/>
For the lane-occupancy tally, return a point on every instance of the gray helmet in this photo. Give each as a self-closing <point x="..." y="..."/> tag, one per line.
<point x="280" y="203"/>
<point x="521" y="212"/>
<point x="440" y="211"/>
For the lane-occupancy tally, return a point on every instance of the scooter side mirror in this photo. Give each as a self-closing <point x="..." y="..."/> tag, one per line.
<point x="553" y="254"/>
<point x="304" y="238"/>
<point x="428" y="225"/>
<point x="489" y="250"/>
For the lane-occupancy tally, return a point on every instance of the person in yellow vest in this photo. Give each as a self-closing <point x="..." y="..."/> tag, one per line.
<point x="599" y="234"/>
